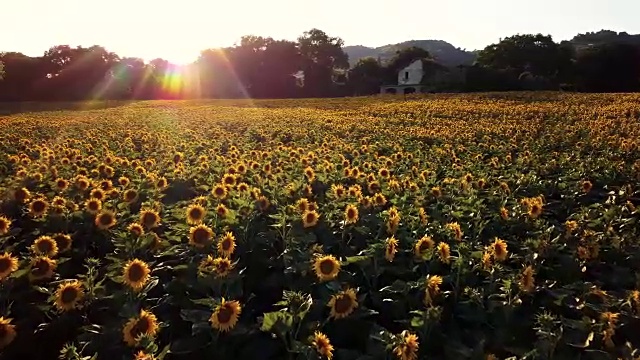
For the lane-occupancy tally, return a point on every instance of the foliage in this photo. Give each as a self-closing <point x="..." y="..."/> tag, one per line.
<point x="470" y="226"/>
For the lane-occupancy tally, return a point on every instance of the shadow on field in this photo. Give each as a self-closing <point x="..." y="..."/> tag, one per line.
<point x="12" y="108"/>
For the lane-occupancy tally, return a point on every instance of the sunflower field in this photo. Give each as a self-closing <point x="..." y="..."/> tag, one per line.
<point x="484" y="226"/>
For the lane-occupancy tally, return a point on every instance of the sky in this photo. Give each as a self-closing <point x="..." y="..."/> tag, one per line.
<point x="177" y="30"/>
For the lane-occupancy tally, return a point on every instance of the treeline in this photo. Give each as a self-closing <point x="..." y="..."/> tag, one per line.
<point x="316" y="66"/>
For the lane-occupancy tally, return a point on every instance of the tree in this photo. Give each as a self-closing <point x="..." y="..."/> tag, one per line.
<point x="535" y="54"/>
<point x="402" y="59"/>
<point x="613" y="67"/>
<point x="321" y="56"/>
<point x="366" y="76"/>
<point x="1" y="70"/>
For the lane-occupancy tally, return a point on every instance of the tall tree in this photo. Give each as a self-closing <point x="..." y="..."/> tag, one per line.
<point x="535" y="54"/>
<point x="321" y="56"/>
<point x="613" y="67"/>
<point x="366" y="76"/>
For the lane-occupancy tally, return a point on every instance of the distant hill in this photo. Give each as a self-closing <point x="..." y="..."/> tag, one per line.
<point x="443" y="52"/>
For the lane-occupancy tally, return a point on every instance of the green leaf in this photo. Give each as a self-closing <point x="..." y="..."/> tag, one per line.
<point x="276" y="322"/>
<point x="354" y="259"/>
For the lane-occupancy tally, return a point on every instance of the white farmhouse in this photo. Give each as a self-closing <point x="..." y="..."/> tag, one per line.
<point x="422" y="75"/>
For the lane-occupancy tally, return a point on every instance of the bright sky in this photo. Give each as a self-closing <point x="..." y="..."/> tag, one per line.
<point x="178" y="30"/>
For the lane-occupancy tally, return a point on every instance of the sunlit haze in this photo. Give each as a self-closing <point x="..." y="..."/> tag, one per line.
<point x="178" y="30"/>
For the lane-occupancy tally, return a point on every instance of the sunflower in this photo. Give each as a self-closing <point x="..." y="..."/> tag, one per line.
<point x="504" y="213"/>
<point x="432" y="288"/>
<point x="136" y="274"/>
<point x="444" y="252"/>
<point x="105" y="219"/>
<point x="220" y="266"/>
<point x="263" y="203"/>
<point x="61" y="184"/>
<point x="423" y="245"/>
<point x="499" y="250"/>
<point x="141" y="355"/>
<point x="149" y="218"/>
<point x="38" y="207"/>
<point x="42" y="268"/>
<point x="338" y="190"/>
<point x="21" y="195"/>
<point x="45" y="245"/>
<point x="243" y="187"/>
<point x="351" y="214"/>
<point x="424" y="218"/>
<point x="379" y="199"/>
<point x="391" y="248"/>
<point x="130" y="196"/>
<point x="322" y="345"/>
<point x="200" y="236"/>
<point x="63" y="242"/>
<point x="98" y="194"/>
<point x="8" y="264"/>
<point x="195" y="214"/>
<point x="302" y="205"/>
<point x="455" y="229"/>
<point x="136" y="229"/>
<point x="145" y="324"/>
<point x="222" y="211"/>
<point x="219" y="191"/>
<point x="587" y="186"/>
<point x="343" y="303"/>
<point x="227" y="245"/>
<point x="5" y="225"/>
<point x="527" y="282"/>
<point x="326" y="267"/>
<point x="124" y="181"/>
<point x="225" y="316"/>
<point x="310" y="218"/>
<point x="68" y="295"/>
<point x="407" y="347"/>
<point x="7" y="332"/>
<point x="161" y="183"/>
<point x="93" y="205"/>
<point x="392" y="224"/>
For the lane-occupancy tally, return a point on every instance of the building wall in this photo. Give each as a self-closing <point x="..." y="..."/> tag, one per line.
<point x="412" y="74"/>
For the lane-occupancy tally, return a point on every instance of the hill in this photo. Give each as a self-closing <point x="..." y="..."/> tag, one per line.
<point x="442" y="51"/>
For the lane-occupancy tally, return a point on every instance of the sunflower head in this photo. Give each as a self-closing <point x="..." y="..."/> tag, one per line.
<point x="136" y="229"/>
<point x="42" y="268"/>
<point x="322" y="345"/>
<point x="225" y="315"/>
<point x="145" y="324"/>
<point x="406" y="347"/>
<point x="5" y="225"/>
<point x="200" y="236"/>
<point x="219" y="191"/>
<point x="105" y="219"/>
<point x="63" y="241"/>
<point x="45" y="245"/>
<point x="423" y="245"/>
<point x="21" y="195"/>
<point x="195" y="214"/>
<point x="8" y="264"/>
<point x="351" y="214"/>
<point x="93" y="205"/>
<point x="38" y="207"/>
<point x="310" y="218"/>
<point x="7" y="332"/>
<point x="444" y="252"/>
<point x="391" y="248"/>
<point x="499" y="250"/>
<point x="68" y="295"/>
<point x="587" y="186"/>
<point x="149" y="218"/>
<point x="343" y="303"/>
<point x="130" y="196"/>
<point x="135" y="274"/>
<point x="222" y="211"/>
<point x="227" y="245"/>
<point x="326" y="267"/>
